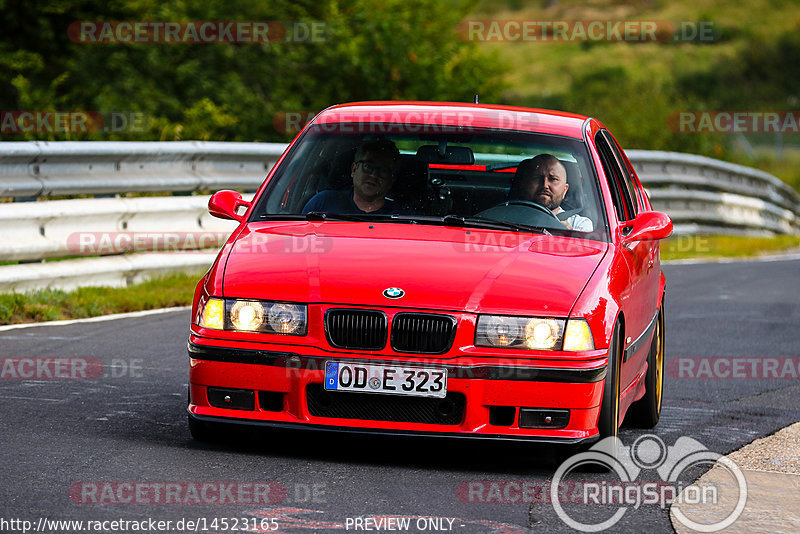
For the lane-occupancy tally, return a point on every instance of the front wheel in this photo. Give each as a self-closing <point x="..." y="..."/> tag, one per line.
<point x="608" y="421"/>
<point x="646" y="411"/>
<point x="199" y="430"/>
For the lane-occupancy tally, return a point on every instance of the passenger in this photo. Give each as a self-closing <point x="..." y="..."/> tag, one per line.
<point x="543" y="180"/>
<point x="373" y="171"/>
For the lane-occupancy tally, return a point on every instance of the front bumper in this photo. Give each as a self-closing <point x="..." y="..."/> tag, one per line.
<point x="292" y="382"/>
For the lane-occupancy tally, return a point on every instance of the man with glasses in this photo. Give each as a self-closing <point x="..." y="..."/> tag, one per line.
<point x="374" y="172"/>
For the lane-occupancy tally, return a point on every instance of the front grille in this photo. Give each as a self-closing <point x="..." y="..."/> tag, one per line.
<point x="356" y="329"/>
<point x="379" y="407"/>
<point x="423" y="333"/>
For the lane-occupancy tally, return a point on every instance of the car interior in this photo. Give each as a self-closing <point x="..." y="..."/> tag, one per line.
<point x="432" y="179"/>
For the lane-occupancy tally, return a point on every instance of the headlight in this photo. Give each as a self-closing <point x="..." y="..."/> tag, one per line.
<point x="247" y="315"/>
<point x="578" y="335"/>
<point x="287" y="319"/>
<point x="519" y="332"/>
<point x="255" y="316"/>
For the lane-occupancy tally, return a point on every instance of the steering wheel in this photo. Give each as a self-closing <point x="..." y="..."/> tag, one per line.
<point x="519" y="212"/>
<point x="529" y="204"/>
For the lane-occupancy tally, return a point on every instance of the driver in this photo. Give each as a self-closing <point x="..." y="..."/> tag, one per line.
<point x="543" y="180"/>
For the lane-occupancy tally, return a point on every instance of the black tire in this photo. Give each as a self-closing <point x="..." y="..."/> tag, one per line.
<point x="645" y="412"/>
<point x="199" y="430"/>
<point x="608" y="421"/>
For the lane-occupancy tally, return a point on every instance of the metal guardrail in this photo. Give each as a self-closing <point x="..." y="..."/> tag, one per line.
<point x="102" y="226"/>
<point x="700" y="194"/>
<point x="46" y="169"/>
<point x="707" y="195"/>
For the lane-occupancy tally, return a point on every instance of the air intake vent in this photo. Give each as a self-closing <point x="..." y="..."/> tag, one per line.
<point x="377" y="407"/>
<point x="423" y="333"/>
<point x="356" y="329"/>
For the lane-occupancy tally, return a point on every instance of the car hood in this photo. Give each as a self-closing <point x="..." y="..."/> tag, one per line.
<point x="439" y="268"/>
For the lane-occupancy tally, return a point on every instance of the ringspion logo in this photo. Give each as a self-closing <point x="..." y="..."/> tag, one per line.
<point x="648" y="453"/>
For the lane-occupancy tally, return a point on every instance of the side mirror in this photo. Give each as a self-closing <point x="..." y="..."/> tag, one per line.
<point x="649" y="226"/>
<point x="225" y="205"/>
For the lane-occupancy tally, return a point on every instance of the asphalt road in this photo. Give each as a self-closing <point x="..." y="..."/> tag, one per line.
<point x="78" y="449"/>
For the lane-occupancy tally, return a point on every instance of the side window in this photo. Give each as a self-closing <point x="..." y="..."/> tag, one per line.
<point x="630" y="181"/>
<point x="616" y="182"/>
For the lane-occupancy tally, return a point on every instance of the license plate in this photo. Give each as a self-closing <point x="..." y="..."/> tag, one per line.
<point x="397" y="380"/>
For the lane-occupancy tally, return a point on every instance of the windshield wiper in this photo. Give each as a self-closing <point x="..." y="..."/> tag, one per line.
<point x="328" y="216"/>
<point x="281" y="216"/>
<point x="492" y="224"/>
<point x="321" y="216"/>
<point x="449" y="220"/>
<point x="315" y="216"/>
<point x="366" y="217"/>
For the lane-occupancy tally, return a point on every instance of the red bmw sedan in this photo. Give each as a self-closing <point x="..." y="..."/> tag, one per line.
<point x="444" y="269"/>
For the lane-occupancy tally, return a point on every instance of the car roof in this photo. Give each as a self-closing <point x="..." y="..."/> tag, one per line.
<point x="457" y="114"/>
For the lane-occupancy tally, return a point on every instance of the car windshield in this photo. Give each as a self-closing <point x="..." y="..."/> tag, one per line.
<point x="437" y="175"/>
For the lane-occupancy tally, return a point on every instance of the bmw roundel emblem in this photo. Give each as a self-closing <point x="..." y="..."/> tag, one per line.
<point x="393" y="292"/>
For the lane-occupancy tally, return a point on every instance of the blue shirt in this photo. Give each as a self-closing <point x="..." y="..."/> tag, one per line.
<point x="341" y="201"/>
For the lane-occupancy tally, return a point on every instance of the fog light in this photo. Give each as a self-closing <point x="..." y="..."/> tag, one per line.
<point x="235" y="399"/>
<point x="543" y="418"/>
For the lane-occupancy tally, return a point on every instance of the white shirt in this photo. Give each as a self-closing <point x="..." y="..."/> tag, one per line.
<point x="581" y="224"/>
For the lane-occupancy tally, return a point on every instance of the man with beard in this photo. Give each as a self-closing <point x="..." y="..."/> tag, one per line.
<point x="543" y="180"/>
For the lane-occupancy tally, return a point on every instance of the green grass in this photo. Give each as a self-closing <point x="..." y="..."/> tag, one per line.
<point x="725" y="246"/>
<point x="546" y="67"/>
<point x="636" y="87"/>
<point x="53" y="304"/>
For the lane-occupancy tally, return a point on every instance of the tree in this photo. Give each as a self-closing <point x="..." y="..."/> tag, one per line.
<point x="367" y="50"/>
